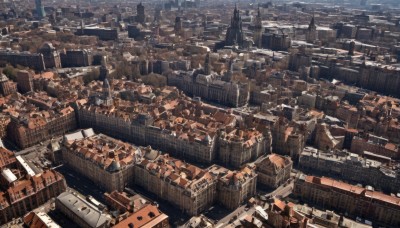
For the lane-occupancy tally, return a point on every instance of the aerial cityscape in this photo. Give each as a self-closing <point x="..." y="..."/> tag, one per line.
<point x="199" y="113"/>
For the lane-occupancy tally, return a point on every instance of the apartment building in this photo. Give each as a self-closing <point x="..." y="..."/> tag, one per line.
<point x="350" y="199"/>
<point x="273" y="170"/>
<point x="189" y="188"/>
<point x="104" y="160"/>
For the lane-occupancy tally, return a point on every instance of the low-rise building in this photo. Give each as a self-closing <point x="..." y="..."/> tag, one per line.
<point x="39" y="219"/>
<point x="82" y="212"/>
<point x="134" y="210"/>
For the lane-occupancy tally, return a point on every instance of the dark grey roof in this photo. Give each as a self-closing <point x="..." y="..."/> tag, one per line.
<point x="83" y="209"/>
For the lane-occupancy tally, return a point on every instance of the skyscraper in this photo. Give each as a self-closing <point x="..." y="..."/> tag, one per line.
<point x="40" y="9"/>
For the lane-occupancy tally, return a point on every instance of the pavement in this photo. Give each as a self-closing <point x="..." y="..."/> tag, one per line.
<point x="80" y="183"/>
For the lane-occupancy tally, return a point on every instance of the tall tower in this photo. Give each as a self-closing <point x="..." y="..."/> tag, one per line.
<point x="140" y="17"/>
<point x="229" y="74"/>
<point x="207" y="69"/>
<point x="312" y="34"/>
<point x="234" y="34"/>
<point x="40" y="9"/>
<point x="178" y="25"/>
<point x="106" y="93"/>
<point x="257" y="36"/>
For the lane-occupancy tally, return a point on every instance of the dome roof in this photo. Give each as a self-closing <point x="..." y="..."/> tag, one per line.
<point x="114" y="166"/>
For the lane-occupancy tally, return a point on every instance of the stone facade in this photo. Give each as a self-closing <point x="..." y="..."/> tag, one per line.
<point x="26" y="133"/>
<point x="51" y="56"/>
<point x="234" y="187"/>
<point x="351" y="167"/>
<point x="234" y="34"/>
<point x="359" y="145"/>
<point x="345" y="198"/>
<point x="24" y="190"/>
<point x="76" y="58"/>
<point x="185" y="186"/>
<point x="238" y="147"/>
<point x="110" y="169"/>
<point x="287" y="141"/>
<point x="24" y="81"/>
<point x="26" y="59"/>
<point x="273" y="170"/>
<point x="212" y="88"/>
<point x="7" y="87"/>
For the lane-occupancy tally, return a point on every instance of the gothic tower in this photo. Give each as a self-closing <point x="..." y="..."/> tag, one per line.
<point x="312" y="34"/>
<point x="106" y="93"/>
<point x="234" y="34"/>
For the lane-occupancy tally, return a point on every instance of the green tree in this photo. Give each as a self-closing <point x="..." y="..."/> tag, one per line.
<point x="10" y="72"/>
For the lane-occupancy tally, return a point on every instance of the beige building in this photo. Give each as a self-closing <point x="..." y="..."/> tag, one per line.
<point x="185" y="186"/>
<point x="273" y="170"/>
<point x="350" y="199"/>
<point x="104" y="160"/>
<point x="234" y="187"/>
<point x="187" y="129"/>
<point x="237" y="147"/>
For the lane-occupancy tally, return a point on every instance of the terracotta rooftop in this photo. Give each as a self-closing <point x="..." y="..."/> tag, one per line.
<point x="148" y="216"/>
<point x="185" y="175"/>
<point x="110" y="153"/>
<point x="354" y="189"/>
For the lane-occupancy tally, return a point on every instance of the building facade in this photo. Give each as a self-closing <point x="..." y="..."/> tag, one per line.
<point x="24" y="189"/>
<point x="238" y="147"/>
<point x="345" y="198"/>
<point x="352" y="167"/>
<point x="273" y="170"/>
<point x="185" y="186"/>
<point x="234" y="34"/>
<point x="26" y="59"/>
<point x="111" y="166"/>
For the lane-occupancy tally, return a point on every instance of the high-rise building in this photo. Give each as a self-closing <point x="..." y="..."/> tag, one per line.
<point x="234" y="34"/>
<point x="178" y="25"/>
<point x="24" y="81"/>
<point x="40" y="9"/>
<point x="140" y="18"/>
<point x="257" y="36"/>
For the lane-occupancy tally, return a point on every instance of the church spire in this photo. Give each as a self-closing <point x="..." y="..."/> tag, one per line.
<point x="312" y="23"/>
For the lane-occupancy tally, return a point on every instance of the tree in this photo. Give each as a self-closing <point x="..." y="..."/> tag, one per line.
<point x="92" y="75"/>
<point x="10" y="72"/>
<point x="155" y="80"/>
